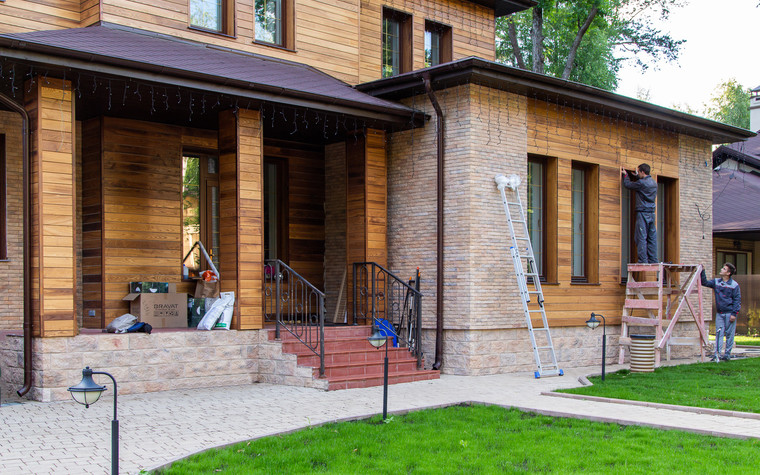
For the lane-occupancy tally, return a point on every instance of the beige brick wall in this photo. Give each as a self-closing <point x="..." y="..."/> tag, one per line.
<point x="160" y="361"/>
<point x="12" y="290"/>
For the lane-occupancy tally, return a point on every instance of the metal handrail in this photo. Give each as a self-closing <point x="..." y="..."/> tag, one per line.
<point x="378" y="294"/>
<point x="296" y="305"/>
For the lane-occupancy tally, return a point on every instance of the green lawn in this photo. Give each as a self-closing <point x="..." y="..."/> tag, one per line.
<point x="732" y="385"/>
<point x="478" y="439"/>
<point x="745" y="340"/>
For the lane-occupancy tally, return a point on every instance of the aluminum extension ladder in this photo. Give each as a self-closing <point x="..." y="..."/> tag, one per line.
<point x="525" y="267"/>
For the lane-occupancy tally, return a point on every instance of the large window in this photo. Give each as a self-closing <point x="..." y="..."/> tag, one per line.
<point x="213" y="15"/>
<point x="541" y="214"/>
<point x="275" y="209"/>
<point x="397" y="29"/>
<point x="535" y="211"/>
<point x="584" y="217"/>
<point x="437" y="44"/>
<point x="200" y="209"/>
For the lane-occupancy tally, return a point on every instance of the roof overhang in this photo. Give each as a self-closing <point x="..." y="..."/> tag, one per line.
<point x="506" y="7"/>
<point x="479" y="71"/>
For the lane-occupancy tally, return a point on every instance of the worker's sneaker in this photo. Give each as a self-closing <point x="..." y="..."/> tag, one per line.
<point x="725" y="357"/>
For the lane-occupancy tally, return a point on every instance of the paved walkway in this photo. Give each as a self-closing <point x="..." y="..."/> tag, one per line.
<point x="156" y="428"/>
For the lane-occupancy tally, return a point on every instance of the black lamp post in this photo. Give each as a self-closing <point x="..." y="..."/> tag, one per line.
<point x="593" y="323"/>
<point x="88" y="392"/>
<point x="378" y="339"/>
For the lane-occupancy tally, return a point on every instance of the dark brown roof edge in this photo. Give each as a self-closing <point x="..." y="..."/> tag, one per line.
<point x="506" y="7"/>
<point x="528" y="83"/>
<point x="723" y="153"/>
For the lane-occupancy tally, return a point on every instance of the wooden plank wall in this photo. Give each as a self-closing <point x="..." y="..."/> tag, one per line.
<point x="568" y="135"/>
<point x="139" y="220"/>
<point x="242" y="214"/>
<point x="18" y="16"/>
<point x="376" y="198"/>
<point x="51" y="111"/>
<point x="305" y="206"/>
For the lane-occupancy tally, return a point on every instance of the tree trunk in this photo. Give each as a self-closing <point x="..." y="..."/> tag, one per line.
<point x="537" y="34"/>
<point x="512" y="32"/>
<point x="570" y="63"/>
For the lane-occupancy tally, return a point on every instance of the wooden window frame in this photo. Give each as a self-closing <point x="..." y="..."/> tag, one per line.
<point x="282" y="224"/>
<point x="670" y="219"/>
<point x="3" y="202"/>
<point x="591" y="224"/>
<point x="228" y="19"/>
<point x="445" y="47"/>
<point x="548" y="272"/>
<point x="720" y="262"/>
<point x="287" y="26"/>
<point x="405" y="41"/>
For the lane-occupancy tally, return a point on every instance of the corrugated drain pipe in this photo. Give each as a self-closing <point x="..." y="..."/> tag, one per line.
<point x="27" y="243"/>
<point x="439" y="249"/>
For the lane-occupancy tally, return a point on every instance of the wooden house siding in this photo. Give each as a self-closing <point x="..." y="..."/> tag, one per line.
<point x="51" y="112"/>
<point x="18" y="16"/>
<point x="92" y="224"/>
<point x="570" y="135"/>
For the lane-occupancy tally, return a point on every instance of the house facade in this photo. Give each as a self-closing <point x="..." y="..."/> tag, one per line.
<point x="322" y="135"/>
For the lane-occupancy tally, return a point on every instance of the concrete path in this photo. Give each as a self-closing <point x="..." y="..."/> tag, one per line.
<point x="156" y="428"/>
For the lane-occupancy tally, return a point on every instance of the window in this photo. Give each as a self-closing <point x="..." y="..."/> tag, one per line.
<point x="584" y="221"/>
<point x="397" y="30"/>
<point x="3" y="203"/>
<point x="200" y="209"/>
<point x="275" y="209"/>
<point x="627" y="225"/>
<point x="213" y="15"/>
<point x="667" y="220"/>
<point x="437" y="44"/>
<point x="541" y="214"/>
<point x="742" y="261"/>
<point x="273" y="22"/>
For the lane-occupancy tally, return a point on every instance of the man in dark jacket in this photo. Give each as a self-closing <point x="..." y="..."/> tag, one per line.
<point x="728" y="301"/>
<point x="646" y="231"/>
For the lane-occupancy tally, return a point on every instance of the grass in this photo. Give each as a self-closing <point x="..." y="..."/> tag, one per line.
<point x="745" y="340"/>
<point x="477" y="439"/>
<point x="732" y="385"/>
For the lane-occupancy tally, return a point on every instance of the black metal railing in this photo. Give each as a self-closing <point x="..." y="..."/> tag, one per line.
<point x="295" y="305"/>
<point x="379" y="297"/>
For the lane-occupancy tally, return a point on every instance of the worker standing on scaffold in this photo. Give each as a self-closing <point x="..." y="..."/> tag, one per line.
<point x="646" y="230"/>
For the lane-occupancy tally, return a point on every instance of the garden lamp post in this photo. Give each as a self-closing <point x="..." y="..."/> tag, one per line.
<point x="593" y="323"/>
<point x="378" y="339"/>
<point x="88" y="392"/>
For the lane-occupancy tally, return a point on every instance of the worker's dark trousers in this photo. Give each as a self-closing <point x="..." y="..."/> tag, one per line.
<point x="646" y="237"/>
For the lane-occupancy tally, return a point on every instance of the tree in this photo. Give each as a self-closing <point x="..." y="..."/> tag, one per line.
<point x="586" y="40"/>
<point x="729" y="104"/>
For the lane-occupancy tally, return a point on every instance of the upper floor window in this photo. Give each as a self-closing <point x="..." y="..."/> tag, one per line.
<point x="397" y="30"/>
<point x="210" y="15"/>
<point x="269" y="16"/>
<point x="437" y="44"/>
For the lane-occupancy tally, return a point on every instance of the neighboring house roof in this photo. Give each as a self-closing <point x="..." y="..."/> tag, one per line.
<point x="731" y="190"/>
<point x="506" y="7"/>
<point x="551" y="89"/>
<point x="113" y="49"/>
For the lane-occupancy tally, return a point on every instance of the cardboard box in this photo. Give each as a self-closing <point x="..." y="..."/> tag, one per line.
<point x="152" y="287"/>
<point x="160" y="310"/>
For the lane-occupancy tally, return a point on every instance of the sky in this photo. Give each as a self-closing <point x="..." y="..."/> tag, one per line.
<point x="719" y="45"/>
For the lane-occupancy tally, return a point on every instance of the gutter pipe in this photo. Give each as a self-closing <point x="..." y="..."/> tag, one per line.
<point x="439" y="235"/>
<point x="27" y="258"/>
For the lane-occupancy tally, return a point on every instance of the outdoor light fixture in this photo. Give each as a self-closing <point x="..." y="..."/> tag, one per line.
<point x="378" y="339"/>
<point x="88" y="392"/>
<point x="593" y="323"/>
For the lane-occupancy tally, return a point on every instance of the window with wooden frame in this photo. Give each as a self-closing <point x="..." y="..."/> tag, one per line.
<point x="438" y="44"/>
<point x="668" y="222"/>
<point x="541" y="214"/>
<point x="3" y="202"/>
<point x="275" y="209"/>
<point x="274" y="22"/>
<point x="200" y="209"/>
<point x="584" y="218"/>
<point x="212" y="15"/>
<point x="397" y="43"/>
<point x="741" y="259"/>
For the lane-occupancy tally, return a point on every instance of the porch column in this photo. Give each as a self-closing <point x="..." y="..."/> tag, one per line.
<point x="241" y="249"/>
<point x="51" y="112"/>
<point x="366" y="202"/>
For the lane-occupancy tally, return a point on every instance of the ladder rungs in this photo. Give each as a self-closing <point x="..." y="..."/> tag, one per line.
<point x="544" y="347"/>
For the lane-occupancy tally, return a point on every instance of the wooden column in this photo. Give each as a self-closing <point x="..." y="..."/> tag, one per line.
<point x="242" y="214"/>
<point x="50" y="106"/>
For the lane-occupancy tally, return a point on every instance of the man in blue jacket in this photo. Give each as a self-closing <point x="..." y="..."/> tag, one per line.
<point x="646" y="231"/>
<point x="728" y="301"/>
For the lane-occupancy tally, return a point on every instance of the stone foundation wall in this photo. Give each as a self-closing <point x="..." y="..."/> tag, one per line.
<point x="160" y="361"/>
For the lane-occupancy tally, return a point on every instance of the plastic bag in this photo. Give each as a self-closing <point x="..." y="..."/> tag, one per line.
<point x="215" y="312"/>
<point x="226" y="319"/>
<point x="120" y="324"/>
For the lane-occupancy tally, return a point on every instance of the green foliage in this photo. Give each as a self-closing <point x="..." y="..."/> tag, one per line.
<point x="730" y="104"/>
<point x="478" y="439"/>
<point x="620" y="30"/>
<point x="731" y="385"/>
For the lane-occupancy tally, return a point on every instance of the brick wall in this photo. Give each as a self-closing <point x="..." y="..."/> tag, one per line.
<point x="12" y="290"/>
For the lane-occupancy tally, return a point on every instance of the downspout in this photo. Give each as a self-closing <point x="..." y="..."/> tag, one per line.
<point x="439" y="234"/>
<point x="27" y="244"/>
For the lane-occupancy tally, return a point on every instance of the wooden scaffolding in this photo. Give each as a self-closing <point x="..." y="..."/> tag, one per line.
<point x="662" y="301"/>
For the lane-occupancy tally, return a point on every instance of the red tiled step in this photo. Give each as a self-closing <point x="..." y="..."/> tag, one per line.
<point x="366" y="382"/>
<point x="354" y="356"/>
<point x="371" y="370"/>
